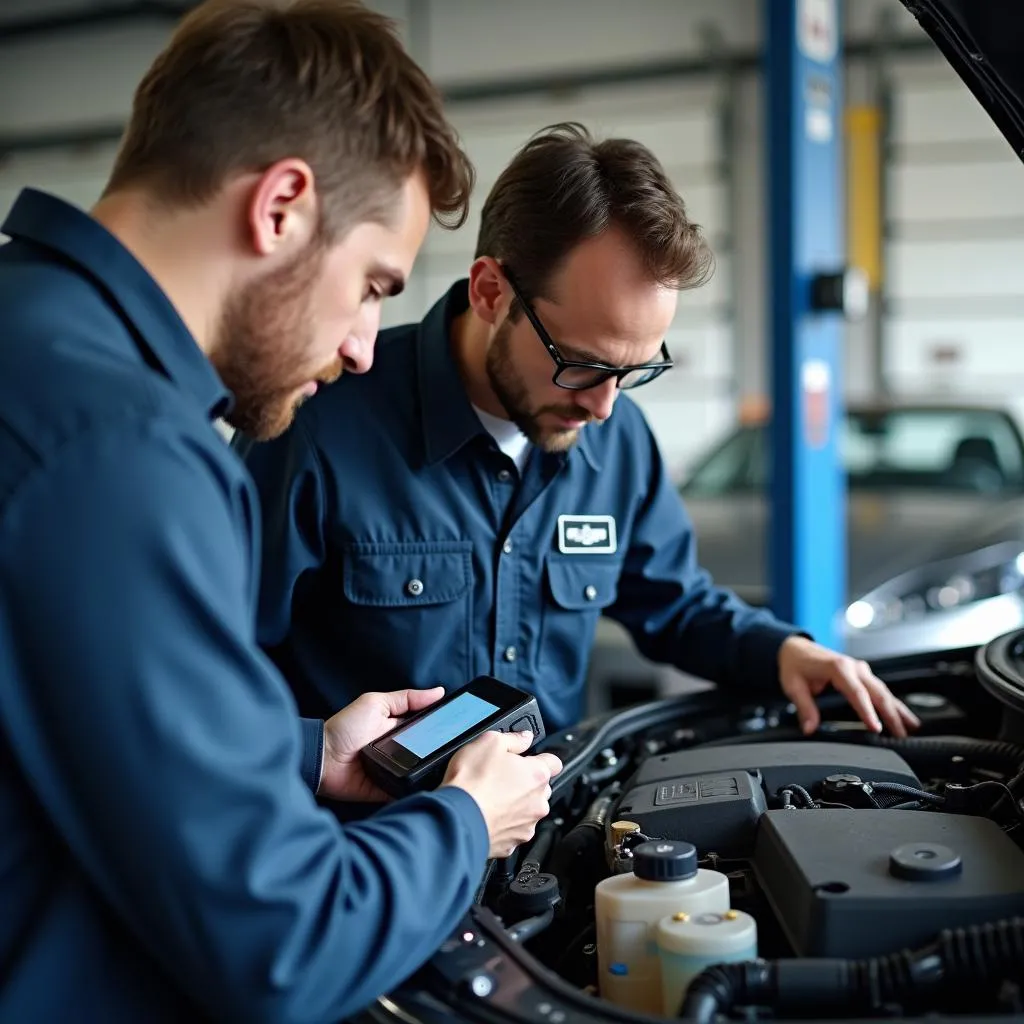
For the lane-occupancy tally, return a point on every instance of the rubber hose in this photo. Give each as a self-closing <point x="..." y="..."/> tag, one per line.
<point x="578" y="842"/>
<point x="934" y="752"/>
<point x="581" y="844"/>
<point x="930" y="752"/>
<point x="808" y="800"/>
<point x="962" y="956"/>
<point x="888" y="793"/>
<point x="587" y="832"/>
<point x="598" y="811"/>
<point x="533" y="859"/>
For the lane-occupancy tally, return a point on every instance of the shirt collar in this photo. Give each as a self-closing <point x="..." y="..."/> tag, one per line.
<point x="154" y="322"/>
<point x="448" y="420"/>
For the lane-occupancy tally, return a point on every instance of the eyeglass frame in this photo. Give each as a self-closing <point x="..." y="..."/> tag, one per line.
<point x="562" y="364"/>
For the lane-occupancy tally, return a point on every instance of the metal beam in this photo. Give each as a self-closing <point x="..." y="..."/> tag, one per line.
<point x="736" y="61"/>
<point x="807" y="559"/>
<point x="19" y="29"/>
<point x="63" y="138"/>
<point x="511" y="88"/>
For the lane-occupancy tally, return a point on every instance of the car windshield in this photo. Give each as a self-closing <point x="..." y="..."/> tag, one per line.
<point x="977" y="451"/>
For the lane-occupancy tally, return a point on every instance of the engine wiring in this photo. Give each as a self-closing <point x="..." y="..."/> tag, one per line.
<point x="573" y="850"/>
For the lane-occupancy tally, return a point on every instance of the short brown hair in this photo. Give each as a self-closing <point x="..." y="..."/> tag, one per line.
<point x="564" y="187"/>
<point x="245" y="83"/>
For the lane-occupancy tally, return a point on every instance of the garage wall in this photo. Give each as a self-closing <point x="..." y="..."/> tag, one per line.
<point x="954" y="320"/>
<point x="680" y="121"/>
<point x="71" y="81"/>
<point x="461" y="42"/>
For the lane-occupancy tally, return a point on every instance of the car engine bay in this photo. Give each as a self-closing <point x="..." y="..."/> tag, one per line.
<point x="704" y="860"/>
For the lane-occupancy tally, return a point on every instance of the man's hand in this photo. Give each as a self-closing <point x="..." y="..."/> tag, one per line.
<point x="512" y="791"/>
<point x="806" y="668"/>
<point x="346" y="733"/>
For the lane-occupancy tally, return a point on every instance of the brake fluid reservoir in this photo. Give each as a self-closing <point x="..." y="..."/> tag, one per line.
<point x="665" y="880"/>
<point x="688" y="943"/>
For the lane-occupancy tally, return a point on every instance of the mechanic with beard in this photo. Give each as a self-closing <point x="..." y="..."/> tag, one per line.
<point x="500" y="497"/>
<point x="164" y="856"/>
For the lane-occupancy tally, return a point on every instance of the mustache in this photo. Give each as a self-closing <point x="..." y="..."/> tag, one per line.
<point x="573" y="412"/>
<point x="331" y="373"/>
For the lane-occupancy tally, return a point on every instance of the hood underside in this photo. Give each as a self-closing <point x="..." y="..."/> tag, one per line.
<point x="984" y="42"/>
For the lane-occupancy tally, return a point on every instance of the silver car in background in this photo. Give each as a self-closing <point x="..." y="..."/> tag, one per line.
<point x="935" y="531"/>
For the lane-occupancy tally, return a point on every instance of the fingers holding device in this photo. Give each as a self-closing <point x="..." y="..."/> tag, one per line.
<point x="511" y="791"/>
<point x="415" y="755"/>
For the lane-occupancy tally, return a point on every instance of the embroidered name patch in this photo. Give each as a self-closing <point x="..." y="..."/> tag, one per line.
<point x="586" y="535"/>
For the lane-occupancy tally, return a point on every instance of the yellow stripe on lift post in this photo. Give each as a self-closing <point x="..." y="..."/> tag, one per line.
<point x="863" y="190"/>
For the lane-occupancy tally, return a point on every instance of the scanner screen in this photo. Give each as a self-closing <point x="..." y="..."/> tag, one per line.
<point x="433" y="731"/>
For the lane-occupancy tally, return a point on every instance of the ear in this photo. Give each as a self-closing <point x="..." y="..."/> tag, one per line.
<point x="490" y="294"/>
<point x="283" y="209"/>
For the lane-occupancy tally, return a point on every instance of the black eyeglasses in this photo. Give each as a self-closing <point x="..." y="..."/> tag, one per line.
<point x="576" y="375"/>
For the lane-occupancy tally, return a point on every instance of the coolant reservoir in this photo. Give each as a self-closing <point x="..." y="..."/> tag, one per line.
<point x="689" y="943"/>
<point x="665" y="880"/>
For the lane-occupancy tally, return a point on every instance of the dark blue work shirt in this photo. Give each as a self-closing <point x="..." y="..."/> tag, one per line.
<point x="162" y="856"/>
<point x="401" y="546"/>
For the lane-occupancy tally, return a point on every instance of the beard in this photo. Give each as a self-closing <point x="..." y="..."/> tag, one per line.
<point x="266" y="329"/>
<point x="511" y="390"/>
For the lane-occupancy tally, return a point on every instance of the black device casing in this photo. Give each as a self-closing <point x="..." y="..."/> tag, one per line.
<point x="400" y="773"/>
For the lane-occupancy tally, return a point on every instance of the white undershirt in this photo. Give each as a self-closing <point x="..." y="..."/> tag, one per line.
<point x="509" y="438"/>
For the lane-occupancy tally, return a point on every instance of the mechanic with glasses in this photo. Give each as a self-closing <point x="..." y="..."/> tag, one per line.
<point x="476" y="502"/>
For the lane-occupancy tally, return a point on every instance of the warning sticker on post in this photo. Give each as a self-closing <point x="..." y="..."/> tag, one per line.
<point x="815" y="383"/>
<point x="817" y="30"/>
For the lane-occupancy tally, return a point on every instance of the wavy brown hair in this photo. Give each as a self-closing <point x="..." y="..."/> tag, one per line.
<point x="564" y="186"/>
<point x="245" y="83"/>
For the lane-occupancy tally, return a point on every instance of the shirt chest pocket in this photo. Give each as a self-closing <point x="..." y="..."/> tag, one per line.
<point x="578" y="584"/>
<point x="579" y="588"/>
<point x="411" y="603"/>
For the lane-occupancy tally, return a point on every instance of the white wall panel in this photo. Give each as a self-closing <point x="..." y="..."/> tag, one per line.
<point x="684" y="428"/>
<point x="944" y="112"/>
<point x="954" y="320"/>
<point x="961" y="192"/>
<point x="18" y="10"/>
<point x="988" y="349"/>
<point x="475" y="39"/>
<point x="702" y="353"/>
<point x="78" y="175"/>
<point x="933" y="269"/>
<point x="863" y="18"/>
<point x="81" y="78"/>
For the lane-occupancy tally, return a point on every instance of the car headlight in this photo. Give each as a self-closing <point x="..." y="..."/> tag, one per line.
<point x="942" y="586"/>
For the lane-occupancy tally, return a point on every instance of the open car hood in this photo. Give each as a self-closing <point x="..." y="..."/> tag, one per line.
<point x="984" y="42"/>
<point x="822" y="840"/>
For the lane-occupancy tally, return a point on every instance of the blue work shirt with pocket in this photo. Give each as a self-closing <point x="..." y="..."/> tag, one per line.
<point x="163" y="857"/>
<point x="403" y="548"/>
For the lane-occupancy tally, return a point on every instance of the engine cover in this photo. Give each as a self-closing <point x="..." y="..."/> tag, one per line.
<point x="713" y="797"/>
<point x="857" y="883"/>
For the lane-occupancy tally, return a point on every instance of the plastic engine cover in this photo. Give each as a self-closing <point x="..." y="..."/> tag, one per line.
<point x="713" y="797"/>
<point x="856" y="883"/>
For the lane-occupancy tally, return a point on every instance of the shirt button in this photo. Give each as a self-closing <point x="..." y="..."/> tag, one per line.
<point x="510" y="654"/>
<point x="504" y="475"/>
<point x="590" y="593"/>
<point x="507" y="547"/>
<point x="414" y="588"/>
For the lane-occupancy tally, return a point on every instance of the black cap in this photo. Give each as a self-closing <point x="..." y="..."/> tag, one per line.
<point x="665" y="861"/>
<point x="925" y="862"/>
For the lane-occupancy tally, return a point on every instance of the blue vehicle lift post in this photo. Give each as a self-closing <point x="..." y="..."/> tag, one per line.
<point x="807" y="542"/>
